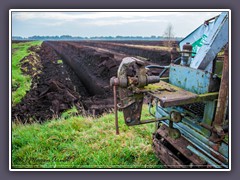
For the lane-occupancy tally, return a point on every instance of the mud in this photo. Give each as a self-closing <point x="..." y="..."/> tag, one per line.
<point x="152" y="55"/>
<point x="51" y="92"/>
<point x="93" y="68"/>
<point x="80" y="78"/>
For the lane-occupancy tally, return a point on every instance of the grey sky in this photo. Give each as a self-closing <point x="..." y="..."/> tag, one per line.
<point x="88" y="24"/>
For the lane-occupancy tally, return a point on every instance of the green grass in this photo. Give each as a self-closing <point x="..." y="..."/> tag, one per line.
<point x="83" y="142"/>
<point x="59" y="61"/>
<point x="20" y="82"/>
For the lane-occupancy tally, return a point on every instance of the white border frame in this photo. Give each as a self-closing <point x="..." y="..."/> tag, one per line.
<point x="106" y="10"/>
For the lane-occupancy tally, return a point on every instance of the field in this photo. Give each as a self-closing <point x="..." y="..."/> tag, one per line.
<point x="63" y="116"/>
<point x="76" y="73"/>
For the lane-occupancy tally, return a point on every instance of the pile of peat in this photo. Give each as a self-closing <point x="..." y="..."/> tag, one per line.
<point x="53" y="90"/>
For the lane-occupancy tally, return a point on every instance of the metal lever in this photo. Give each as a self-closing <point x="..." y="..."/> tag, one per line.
<point x="115" y="108"/>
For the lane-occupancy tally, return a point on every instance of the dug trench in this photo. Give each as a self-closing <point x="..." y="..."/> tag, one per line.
<point x="69" y="74"/>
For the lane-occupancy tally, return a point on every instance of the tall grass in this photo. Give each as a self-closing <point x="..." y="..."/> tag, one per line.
<point x="83" y="142"/>
<point x="19" y="80"/>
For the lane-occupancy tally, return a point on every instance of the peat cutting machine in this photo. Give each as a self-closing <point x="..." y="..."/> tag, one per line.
<point x="191" y="106"/>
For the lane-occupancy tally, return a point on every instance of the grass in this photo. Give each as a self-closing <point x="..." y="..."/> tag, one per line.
<point x="74" y="141"/>
<point x="20" y="82"/>
<point x="59" y="61"/>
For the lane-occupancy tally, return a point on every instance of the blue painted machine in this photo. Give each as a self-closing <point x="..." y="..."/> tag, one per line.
<point x="191" y="105"/>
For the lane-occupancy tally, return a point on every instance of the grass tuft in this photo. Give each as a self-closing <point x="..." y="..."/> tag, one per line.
<point x="83" y="142"/>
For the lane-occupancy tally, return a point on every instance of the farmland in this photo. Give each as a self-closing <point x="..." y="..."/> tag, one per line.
<point x="81" y="79"/>
<point x="63" y="117"/>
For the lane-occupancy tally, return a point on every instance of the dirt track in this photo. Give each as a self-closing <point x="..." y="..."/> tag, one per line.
<point x="81" y="79"/>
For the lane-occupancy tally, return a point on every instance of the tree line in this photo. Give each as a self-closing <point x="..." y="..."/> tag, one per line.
<point x="68" y="37"/>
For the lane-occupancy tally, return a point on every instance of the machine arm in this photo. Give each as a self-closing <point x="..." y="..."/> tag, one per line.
<point x="216" y="40"/>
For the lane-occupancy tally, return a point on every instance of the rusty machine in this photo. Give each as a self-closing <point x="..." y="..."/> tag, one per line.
<point x="190" y="106"/>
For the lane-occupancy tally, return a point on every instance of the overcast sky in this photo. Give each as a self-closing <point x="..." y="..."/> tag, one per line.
<point x="88" y="24"/>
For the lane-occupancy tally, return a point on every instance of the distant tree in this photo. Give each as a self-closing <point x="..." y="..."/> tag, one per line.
<point x="168" y="36"/>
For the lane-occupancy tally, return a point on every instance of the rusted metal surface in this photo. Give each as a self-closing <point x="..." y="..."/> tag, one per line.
<point x="115" y="108"/>
<point x="204" y="144"/>
<point x="131" y="76"/>
<point x="182" y="158"/>
<point x="170" y="95"/>
<point x="131" y="105"/>
<point x="193" y="80"/>
<point x="114" y="82"/>
<point x="180" y="142"/>
<point x="166" y="156"/>
<point x="187" y="47"/>
<point x="218" y="156"/>
<point x="222" y="103"/>
<point x="152" y="120"/>
<point x="211" y="128"/>
<point x="173" y="133"/>
<point x="223" y="92"/>
<point x="196" y="108"/>
<point x="202" y="156"/>
<point x="175" y="116"/>
<point x="186" y="54"/>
